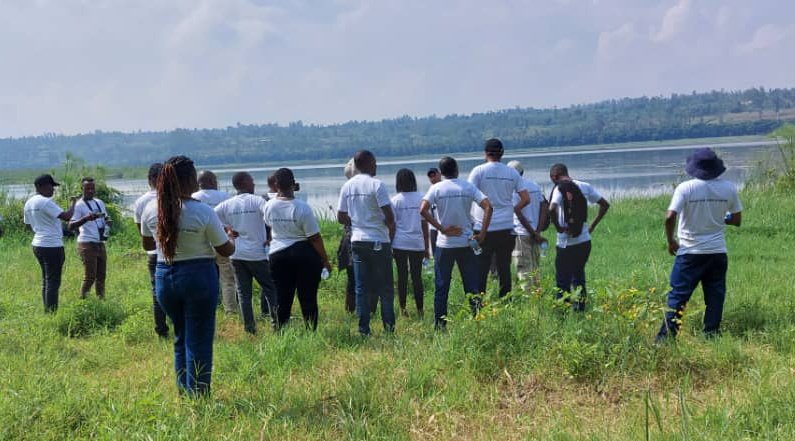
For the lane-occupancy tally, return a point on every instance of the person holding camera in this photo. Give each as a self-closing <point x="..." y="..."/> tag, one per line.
<point x="91" y="218"/>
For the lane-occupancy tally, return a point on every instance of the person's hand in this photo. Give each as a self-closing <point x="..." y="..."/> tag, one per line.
<point x="673" y="247"/>
<point x="452" y="230"/>
<point x="327" y="266"/>
<point x="480" y="237"/>
<point x="428" y="254"/>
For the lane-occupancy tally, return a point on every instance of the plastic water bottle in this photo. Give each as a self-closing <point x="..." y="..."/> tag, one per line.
<point x="473" y="243"/>
<point x="728" y="217"/>
<point x="544" y="247"/>
<point x="377" y="246"/>
<point x="426" y="264"/>
<point x="324" y="274"/>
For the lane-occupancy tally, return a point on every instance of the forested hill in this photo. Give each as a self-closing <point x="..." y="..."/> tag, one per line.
<point x="748" y="112"/>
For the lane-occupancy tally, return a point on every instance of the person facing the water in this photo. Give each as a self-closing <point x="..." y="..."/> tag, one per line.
<point x="209" y="194"/>
<point x="527" y="251"/>
<point x="453" y="199"/>
<point x="243" y="214"/>
<point x="345" y="256"/>
<point x="574" y="234"/>
<point x="44" y="217"/>
<point x="91" y="219"/>
<point x="364" y="204"/>
<point x="433" y="177"/>
<point x="704" y="206"/>
<point x="187" y="235"/>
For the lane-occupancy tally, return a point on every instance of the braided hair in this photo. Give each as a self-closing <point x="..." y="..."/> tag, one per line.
<point x="178" y="174"/>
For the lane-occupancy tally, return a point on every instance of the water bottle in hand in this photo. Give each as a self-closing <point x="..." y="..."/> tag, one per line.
<point x="324" y="274"/>
<point x="544" y="247"/>
<point x="473" y="243"/>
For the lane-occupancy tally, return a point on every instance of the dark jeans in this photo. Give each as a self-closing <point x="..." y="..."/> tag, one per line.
<point x="373" y="272"/>
<point x="296" y="269"/>
<point x="409" y="261"/>
<point x="467" y="262"/>
<point x="500" y="245"/>
<point x="245" y="272"/>
<point x="350" y="290"/>
<point x="434" y="235"/>
<point x="161" y="327"/>
<point x="95" y="261"/>
<point x="570" y="272"/>
<point x="687" y="272"/>
<point x="51" y="260"/>
<point x="188" y="293"/>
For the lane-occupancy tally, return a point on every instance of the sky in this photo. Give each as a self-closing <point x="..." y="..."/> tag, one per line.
<point x="75" y="66"/>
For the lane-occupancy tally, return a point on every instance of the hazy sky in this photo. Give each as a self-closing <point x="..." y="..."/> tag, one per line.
<point x="70" y="66"/>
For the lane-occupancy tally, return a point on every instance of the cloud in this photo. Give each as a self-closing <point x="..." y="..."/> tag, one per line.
<point x="767" y="36"/>
<point x="674" y="21"/>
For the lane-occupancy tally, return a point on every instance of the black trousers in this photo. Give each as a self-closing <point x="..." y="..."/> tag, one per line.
<point x="409" y="262"/>
<point x="570" y="271"/>
<point x="161" y="327"/>
<point x="500" y="245"/>
<point x="296" y="269"/>
<point x="51" y="260"/>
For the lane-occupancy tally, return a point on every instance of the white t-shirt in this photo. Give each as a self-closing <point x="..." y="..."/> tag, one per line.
<point x="592" y="196"/>
<point x="362" y="197"/>
<point x="531" y="210"/>
<point x="89" y="231"/>
<point x="210" y="197"/>
<point x="42" y="215"/>
<point x="244" y="213"/>
<point x="499" y="183"/>
<point x="138" y="208"/>
<point x="199" y="231"/>
<point x="453" y="199"/>
<point x="291" y="221"/>
<point x="408" y="231"/>
<point x="702" y="206"/>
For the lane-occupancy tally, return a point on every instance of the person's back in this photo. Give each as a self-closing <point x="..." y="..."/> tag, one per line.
<point x="41" y="213"/>
<point x="199" y="230"/>
<point x="703" y="206"/>
<point x="408" y="223"/>
<point x="363" y="196"/>
<point x="531" y="211"/>
<point x="210" y="197"/>
<point x="499" y="183"/>
<point x="243" y="212"/>
<point x="453" y="199"/>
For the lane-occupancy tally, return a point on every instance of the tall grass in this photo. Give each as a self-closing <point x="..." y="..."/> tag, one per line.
<point x="525" y="368"/>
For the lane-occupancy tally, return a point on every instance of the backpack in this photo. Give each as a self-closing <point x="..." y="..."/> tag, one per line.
<point x="575" y="207"/>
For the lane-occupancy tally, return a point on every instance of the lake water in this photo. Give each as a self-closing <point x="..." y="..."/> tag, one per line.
<point x="616" y="173"/>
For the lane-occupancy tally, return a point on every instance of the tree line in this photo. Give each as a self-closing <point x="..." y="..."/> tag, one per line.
<point x="753" y="111"/>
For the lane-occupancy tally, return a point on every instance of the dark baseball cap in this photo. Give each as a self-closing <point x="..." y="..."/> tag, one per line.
<point x="44" y="180"/>
<point x="494" y="146"/>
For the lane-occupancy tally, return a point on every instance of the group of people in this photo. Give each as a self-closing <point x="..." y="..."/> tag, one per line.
<point x="201" y="241"/>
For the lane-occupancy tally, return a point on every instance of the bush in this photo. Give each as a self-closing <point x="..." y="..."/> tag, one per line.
<point x="89" y="316"/>
<point x="138" y="327"/>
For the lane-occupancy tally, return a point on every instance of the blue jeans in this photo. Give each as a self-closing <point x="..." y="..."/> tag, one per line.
<point x="688" y="271"/>
<point x="373" y="273"/>
<point x="188" y="293"/>
<point x="444" y="258"/>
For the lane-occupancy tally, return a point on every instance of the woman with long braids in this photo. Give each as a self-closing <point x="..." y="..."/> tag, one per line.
<point x="186" y="234"/>
<point x="297" y="253"/>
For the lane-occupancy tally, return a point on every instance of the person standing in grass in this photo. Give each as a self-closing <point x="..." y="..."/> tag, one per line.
<point x="364" y="204"/>
<point x="91" y="218"/>
<point x="499" y="183"/>
<point x="527" y="252"/>
<point x="410" y="245"/>
<point x="704" y="206"/>
<point x="187" y="234"/>
<point x="568" y="209"/>
<point x="434" y="177"/>
<point x="161" y="327"/>
<point x="345" y="256"/>
<point x="210" y="195"/>
<point x="453" y="199"/>
<point x="243" y="214"/>
<point x="44" y="217"/>
<point x="297" y="253"/>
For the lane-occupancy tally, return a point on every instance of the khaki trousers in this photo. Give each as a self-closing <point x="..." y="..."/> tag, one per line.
<point x="95" y="261"/>
<point x="526" y="257"/>
<point x="226" y="275"/>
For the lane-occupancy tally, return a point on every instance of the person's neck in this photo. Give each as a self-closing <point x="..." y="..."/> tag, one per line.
<point x="285" y="195"/>
<point x="87" y="198"/>
<point x="491" y="159"/>
<point x="244" y="192"/>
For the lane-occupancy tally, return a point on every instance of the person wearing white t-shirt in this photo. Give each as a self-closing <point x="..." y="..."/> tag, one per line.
<point x="499" y="183"/>
<point x="243" y="214"/>
<point x="704" y="206"/>
<point x="527" y="251"/>
<point x="572" y="252"/>
<point x="453" y="199"/>
<point x="297" y="253"/>
<point x="410" y="245"/>
<point x="161" y="327"/>
<point x="364" y="205"/>
<point x="44" y="217"/>
<point x="187" y="235"/>
<point x="91" y="218"/>
<point x="434" y="177"/>
<point x="345" y="256"/>
<point x="210" y="195"/>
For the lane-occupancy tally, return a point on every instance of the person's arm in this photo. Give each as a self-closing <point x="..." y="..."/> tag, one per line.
<point x="487" y="211"/>
<point x="389" y="220"/>
<point x="735" y="219"/>
<point x="524" y="199"/>
<point x="316" y="240"/>
<point x="450" y="230"/>
<point x="228" y="248"/>
<point x="603" y="207"/>
<point x="67" y="215"/>
<point x="74" y="224"/>
<point x="426" y="238"/>
<point x="343" y="218"/>
<point x="148" y="243"/>
<point x="670" y="225"/>
<point x="553" y="208"/>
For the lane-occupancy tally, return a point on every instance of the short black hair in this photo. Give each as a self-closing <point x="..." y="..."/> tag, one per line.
<point x="494" y="148"/>
<point x="284" y="179"/>
<point x="154" y="171"/>
<point x="238" y="179"/>
<point x="362" y="158"/>
<point x="405" y="180"/>
<point x="559" y="169"/>
<point x="432" y="171"/>
<point x="86" y="179"/>
<point x="448" y="167"/>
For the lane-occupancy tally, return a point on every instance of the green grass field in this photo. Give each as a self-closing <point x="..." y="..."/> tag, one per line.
<point x="524" y="369"/>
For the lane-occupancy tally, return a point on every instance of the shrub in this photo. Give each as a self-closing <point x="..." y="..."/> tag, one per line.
<point x="138" y="327"/>
<point x="89" y="316"/>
